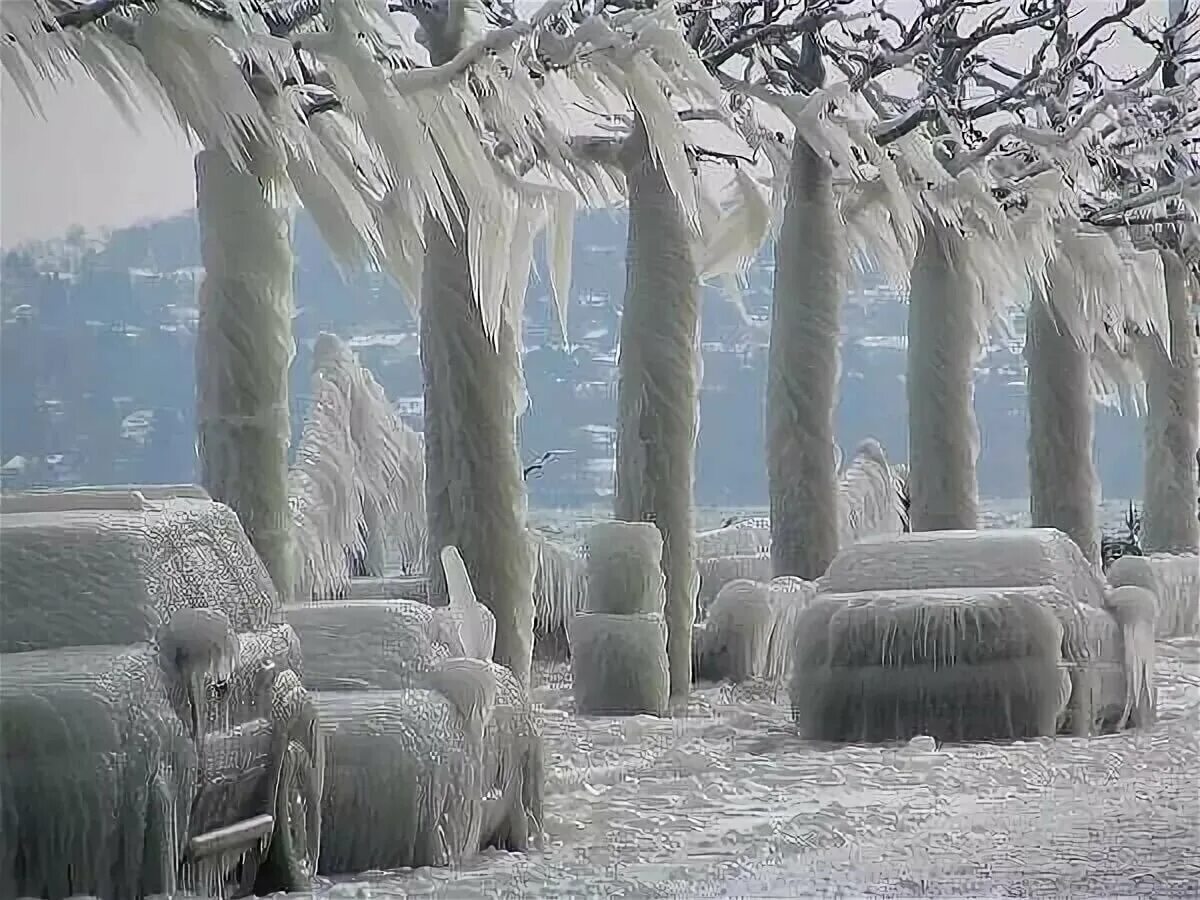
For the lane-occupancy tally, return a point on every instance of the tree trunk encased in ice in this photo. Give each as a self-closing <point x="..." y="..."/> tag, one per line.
<point x="244" y="348"/>
<point x="944" y="344"/>
<point x="658" y="397"/>
<point x="1172" y="427"/>
<point x="802" y="372"/>
<point x="474" y="493"/>
<point x="1064" y="489"/>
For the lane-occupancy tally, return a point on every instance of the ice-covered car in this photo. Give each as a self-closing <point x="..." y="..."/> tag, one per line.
<point x="1107" y="635"/>
<point x="156" y="731"/>
<point x="433" y="751"/>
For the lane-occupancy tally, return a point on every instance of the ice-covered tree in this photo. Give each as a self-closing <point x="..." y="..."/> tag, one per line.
<point x="997" y="190"/>
<point x="784" y="47"/>
<point x="1147" y="187"/>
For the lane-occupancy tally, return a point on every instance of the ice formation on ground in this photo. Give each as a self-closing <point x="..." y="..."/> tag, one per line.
<point x="618" y="642"/>
<point x="728" y="801"/>
<point x="737" y="633"/>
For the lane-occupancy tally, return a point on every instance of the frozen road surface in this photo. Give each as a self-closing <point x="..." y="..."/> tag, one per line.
<point x="727" y="802"/>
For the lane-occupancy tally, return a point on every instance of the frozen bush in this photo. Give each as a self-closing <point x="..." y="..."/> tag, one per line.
<point x="737" y="633"/>
<point x="619" y="664"/>
<point x="1174" y="579"/>
<point x="559" y="591"/>
<point x="624" y="569"/>
<point x="957" y="665"/>
<point x="789" y="596"/>
<point x="717" y="571"/>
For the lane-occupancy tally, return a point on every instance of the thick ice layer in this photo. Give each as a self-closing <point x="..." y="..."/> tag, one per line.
<point x="789" y="597"/>
<point x="402" y="783"/>
<point x="624" y="569"/>
<point x="244" y="343"/>
<point x="475" y="623"/>
<point x="1133" y="608"/>
<point x="513" y="775"/>
<point x="619" y="664"/>
<point x="407" y="587"/>
<point x="96" y="774"/>
<point x="1174" y="579"/>
<point x="737" y="634"/>
<point x="115" y="577"/>
<point x="1018" y="557"/>
<point x="803" y="366"/>
<point x="366" y="644"/>
<point x="718" y="571"/>
<point x="958" y="665"/>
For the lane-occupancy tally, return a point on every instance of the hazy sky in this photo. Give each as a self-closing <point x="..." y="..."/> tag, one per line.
<point x="83" y="164"/>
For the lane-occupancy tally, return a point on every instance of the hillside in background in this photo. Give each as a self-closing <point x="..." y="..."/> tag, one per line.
<point x="96" y="362"/>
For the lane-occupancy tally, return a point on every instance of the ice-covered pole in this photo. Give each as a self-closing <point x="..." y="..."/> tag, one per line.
<point x="802" y="371"/>
<point x="244" y="347"/>
<point x="474" y="494"/>
<point x="944" y="344"/>
<point x="1172" y="423"/>
<point x="658" y="398"/>
<point x="1064" y="489"/>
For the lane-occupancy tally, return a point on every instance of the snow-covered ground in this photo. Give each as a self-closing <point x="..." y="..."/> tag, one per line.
<point x="727" y="802"/>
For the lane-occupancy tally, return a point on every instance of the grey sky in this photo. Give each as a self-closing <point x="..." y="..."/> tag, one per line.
<point x="83" y="164"/>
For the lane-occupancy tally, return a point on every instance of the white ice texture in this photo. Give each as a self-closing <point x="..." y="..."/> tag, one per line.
<point x="748" y="632"/>
<point x="1097" y="636"/>
<point x="1174" y="579"/>
<point x="356" y="462"/>
<point x="618" y="643"/>
<point x="433" y="751"/>
<point x="88" y="576"/>
<point x="149" y="701"/>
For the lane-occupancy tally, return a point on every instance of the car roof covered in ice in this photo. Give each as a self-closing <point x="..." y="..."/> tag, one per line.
<point x="89" y="576"/>
<point x="1002" y="557"/>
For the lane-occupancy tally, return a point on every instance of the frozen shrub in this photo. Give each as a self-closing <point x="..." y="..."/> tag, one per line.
<point x="624" y="569"/>
<point x="789" y="597"/>
<point x="1174" y="579"/>
<point x="737" y="634"/>
<point x="718" y="571"/>
<point x="619" y="664"/>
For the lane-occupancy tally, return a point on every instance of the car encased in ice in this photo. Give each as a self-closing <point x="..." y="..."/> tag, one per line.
<point x="433" y="751"/>
<point x="156" y="732"/>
